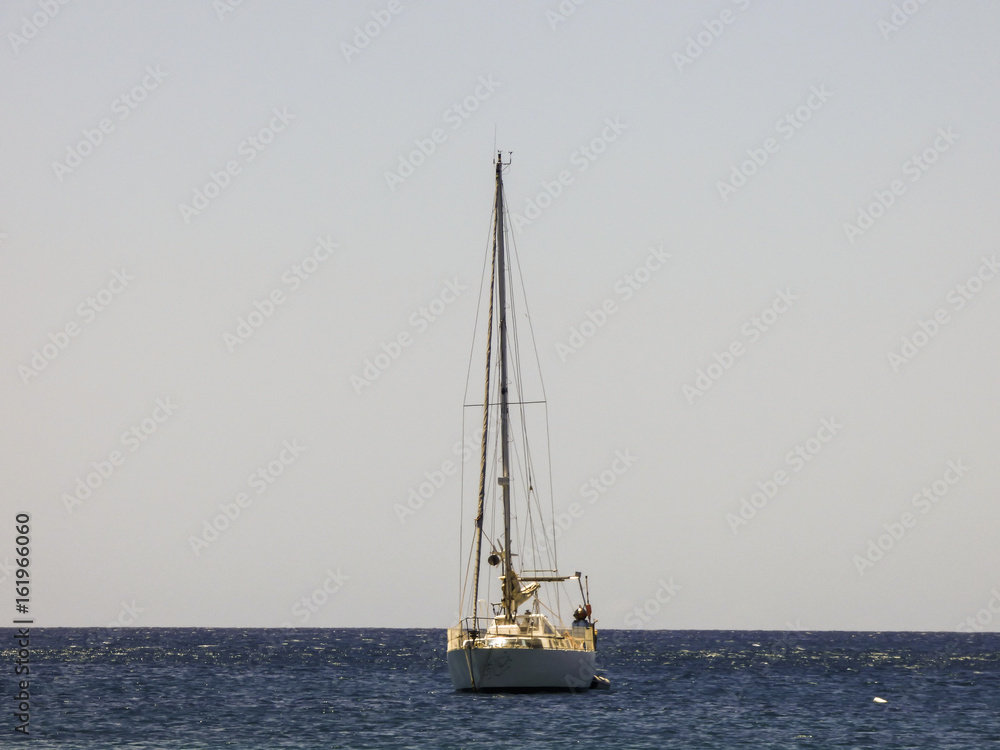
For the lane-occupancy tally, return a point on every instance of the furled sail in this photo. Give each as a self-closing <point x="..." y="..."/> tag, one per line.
<point x="515" y="593"/>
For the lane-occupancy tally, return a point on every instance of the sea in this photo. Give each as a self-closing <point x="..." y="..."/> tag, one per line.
<point x="192" y="688"/>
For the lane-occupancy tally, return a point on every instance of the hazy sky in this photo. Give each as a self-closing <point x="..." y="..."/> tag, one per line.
<point x="241" y="249"/>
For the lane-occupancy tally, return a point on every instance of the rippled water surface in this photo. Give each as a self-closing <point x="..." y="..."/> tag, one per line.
<point x="347" y="688"/>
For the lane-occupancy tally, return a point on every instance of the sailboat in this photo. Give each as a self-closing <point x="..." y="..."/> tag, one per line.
<point x="514" y="639"/>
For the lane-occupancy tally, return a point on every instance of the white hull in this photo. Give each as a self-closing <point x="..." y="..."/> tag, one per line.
<point x="520" y="668"/>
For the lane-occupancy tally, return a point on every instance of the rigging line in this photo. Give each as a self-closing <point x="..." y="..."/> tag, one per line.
<point x="479" y="307"/>
<point x="554" y="557"/>
<point x="468" y="376"/>
<point x="497" y="403"/>
<point x="553" y="553"/>
<point x="492" y="479"/>
<point x="527" y="314"/>
<point x="518" y="472"/>
<point x="529" y="474"/>
<point x="486" y="423"/>
<point x="541" y="382"/>
<point x="528" y="536"/>
<point x="532" y="498"/>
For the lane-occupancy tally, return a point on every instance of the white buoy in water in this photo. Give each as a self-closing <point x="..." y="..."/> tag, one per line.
<point x="876" y="699"/>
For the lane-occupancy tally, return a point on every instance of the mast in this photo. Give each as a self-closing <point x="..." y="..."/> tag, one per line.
<point x="510" y="578"/>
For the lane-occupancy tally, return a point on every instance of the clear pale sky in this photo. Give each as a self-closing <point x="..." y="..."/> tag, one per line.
<point x="782" y="214"/>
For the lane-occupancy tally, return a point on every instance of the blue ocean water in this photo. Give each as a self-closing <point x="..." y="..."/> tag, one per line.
<point x="381" y="688"/>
